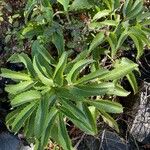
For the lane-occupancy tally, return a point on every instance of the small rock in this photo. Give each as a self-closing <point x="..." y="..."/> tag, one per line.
<point x="106" y="141"/>
<point x="9" y="142"/>
<point x="140" y="128"/>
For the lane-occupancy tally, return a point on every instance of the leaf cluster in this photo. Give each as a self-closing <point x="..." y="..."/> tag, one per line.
<point x="48" y="94"/>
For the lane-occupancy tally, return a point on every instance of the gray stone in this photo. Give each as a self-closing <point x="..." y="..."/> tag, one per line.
<point x="140" y="128"/>
<point x="105" y="141"/>
<point x="9" y="142"/>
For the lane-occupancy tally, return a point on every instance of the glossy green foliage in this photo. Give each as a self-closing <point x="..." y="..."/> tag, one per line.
<point x="45" y="95"/>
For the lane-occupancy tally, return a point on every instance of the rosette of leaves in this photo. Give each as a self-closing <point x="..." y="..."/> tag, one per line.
<point x="48" y="94"/>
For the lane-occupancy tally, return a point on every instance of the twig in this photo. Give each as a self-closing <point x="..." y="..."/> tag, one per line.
<point x="76" y="146"/>
<point x="102" y="139"/>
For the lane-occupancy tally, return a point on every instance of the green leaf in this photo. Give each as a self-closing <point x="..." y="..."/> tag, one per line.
<point x="96" y="41"/>
<point x="74" y="72"/>
<point x="121" y="39"/>
<point x="90" y="117"/>
<point x="109" y="4"/>
<point x="78" y="4"/>
<point x="139" y="45"/>
<point x="79" y="57"/>
<point x="125" y="67"/>
<point x="44" y="67"/>
<point x="146" y="22"/>
<point x="77" y="115"/>
<point x="136" y="9"/>
<point x="127" y="7"/>
<point x="94" y="112"/>
<point x="27" y="62"/>
<point x="82" y="124"/>
<point x="25" y="97"/>
<point x="69" y="114"/>
<point x="109" y="120"/>
<point x="119" y="91"/>
<point x="38" y="49"/>
<point x="116" y="3"/>
<point x="58" y="41"/>
<point x="41" y="116"/>
<point x="144" y="15"/>
<point x="65" y="93"/>
<point x="41" y="76"/>
<point x="95" y="26"/>
<point x="29" y="128"/>
<point x="20" y="87"/>
<point x="97" y="89"/>
<point x="12" y="115"/>
<point x="140" y="34"/>
<point x="47" y="14"/>
<point x="46" y="3"/>
<point x="65" y="4"/>
<point x="101" y="14"/>
<point x="28" y="9"/>
<point x="112" y="39"/>
<point x="109" y="23"/>
<point x="22" y="117"/>
<point x="133" y="82"/>
<point x="100" y="25"/>
<point x="92" y="75"/>
<point x="63" y="132"/>
<point x="13" y="58"/>
<point x="51" y="117"/>
<point x="37" y="145"/>
<point x="146" y="31"/>
<point x="59" y="70"/>
<point x="106" y="105"/>
<point x="32" y="30"/>
<point x="73" y="108"/>
<point x="57" y="135"/>
<point x="14" y="75"/>
<point x="23" y="58"/>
